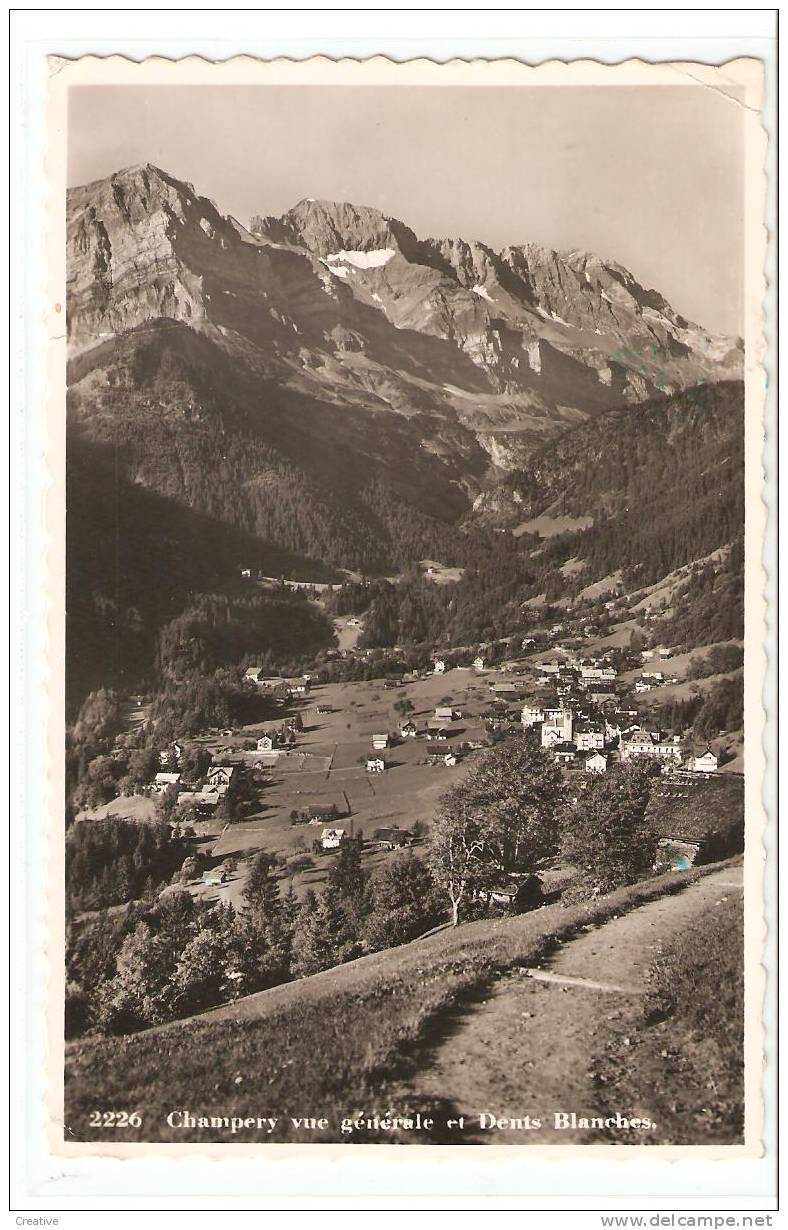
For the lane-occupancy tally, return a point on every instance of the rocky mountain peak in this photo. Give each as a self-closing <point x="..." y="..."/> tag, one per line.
<point x="327" y="227"/>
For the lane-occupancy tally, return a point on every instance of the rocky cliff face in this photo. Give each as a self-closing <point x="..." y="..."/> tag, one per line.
<point x="339" y="338"/>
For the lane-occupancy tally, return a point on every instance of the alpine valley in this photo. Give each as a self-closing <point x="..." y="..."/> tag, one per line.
<point x="325" y="394"/>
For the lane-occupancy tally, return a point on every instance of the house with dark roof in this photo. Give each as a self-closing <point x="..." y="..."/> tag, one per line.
<point x="393" y="838"/>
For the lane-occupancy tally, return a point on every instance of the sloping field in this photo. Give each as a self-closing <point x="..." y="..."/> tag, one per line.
<point x="330" y="1045"/>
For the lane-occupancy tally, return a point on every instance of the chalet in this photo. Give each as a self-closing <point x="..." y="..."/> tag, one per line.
<point x="319" y="813"/>
<point x="298" y="687"/>
<point x="648" y="743"/>
<point x="436" y="729"/>
<point x="220" y="775"/>
<point x="446" y="714"/>
<point x="450" y="760"/>
<point x="532" y="714"/>
<point x="331" y="839"/>
<point x="707" y="763"/>
<point x="375" y="764"/>
<point x="478" y="663"/>
<point x="598" y="672"/>
<point x="548" y="668"/>
<point x="643" y="685"/>
<point x="595" y="762"/>
<point x="439" y="667"/>
<point x="163" y="781"/>
<point x="558" y="729"/>
<point x="564" y="753"/>
<point x="589" y="738"/>
<point x="506" y="691"/>
<point x="518" y="896"/>
<point x="527" y="642"/>
<point x="380" y="742"/>
<point x="203" y="801"/>
<point x="408" y="730"/>
<point x="438" y="750"/>
<point x="214" y="877"/>
<point x="271" y="683"/>
<point x="393" y="838"/>
<point x="266" y="743"/>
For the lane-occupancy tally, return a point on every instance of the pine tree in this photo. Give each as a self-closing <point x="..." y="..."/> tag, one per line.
<point x="322" y="937"/>
<point x="347" y="879"/>
<point x="403" y="902"/>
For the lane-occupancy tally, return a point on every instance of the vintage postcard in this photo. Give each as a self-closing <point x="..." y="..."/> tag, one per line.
<point x="406" y="525"/>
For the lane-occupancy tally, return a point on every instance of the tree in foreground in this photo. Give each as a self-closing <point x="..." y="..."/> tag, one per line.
<point x="505" y="817"/>
<point x="403" y="902"/>
<point x="323" y="936"/>
<point x="458" y="840"/>
<point x="518" y="791"/>
<point x="609" y="835"/>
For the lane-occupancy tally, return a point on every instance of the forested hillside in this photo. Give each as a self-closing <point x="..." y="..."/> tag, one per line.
<point x="662" y="485"/>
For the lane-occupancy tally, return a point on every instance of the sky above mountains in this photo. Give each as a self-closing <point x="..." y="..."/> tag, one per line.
<point x="650" y="177"/>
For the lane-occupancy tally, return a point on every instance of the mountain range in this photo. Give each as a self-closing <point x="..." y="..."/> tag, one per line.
<point x="325" y="389"/>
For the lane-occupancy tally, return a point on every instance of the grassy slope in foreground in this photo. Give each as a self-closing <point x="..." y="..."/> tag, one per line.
<point x="686" y="1054"/>
<point x="325" y="1046"/>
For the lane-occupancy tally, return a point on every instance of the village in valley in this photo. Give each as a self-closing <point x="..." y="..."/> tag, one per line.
<point x="369" y="760"/>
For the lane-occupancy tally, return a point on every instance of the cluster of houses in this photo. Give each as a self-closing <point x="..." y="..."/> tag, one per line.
<point x="578" y="739"/>
<point x="220" y="780"/>
<point x="276" y="686"/>
<point x="592" y="679"/>
<point x="392" y="838"/>
<point x="653" y="679"/>
<point x="436" y="731"/>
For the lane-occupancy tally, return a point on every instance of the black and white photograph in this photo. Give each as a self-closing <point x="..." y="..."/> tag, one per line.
<point x="411" y="533"/>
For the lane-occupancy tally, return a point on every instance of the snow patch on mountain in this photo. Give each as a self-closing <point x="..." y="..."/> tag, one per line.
<point x="482" y="292"/>
<point x="362" y="260"/>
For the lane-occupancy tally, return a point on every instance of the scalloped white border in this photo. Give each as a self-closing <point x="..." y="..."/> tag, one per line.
<point x="380" y="70"/>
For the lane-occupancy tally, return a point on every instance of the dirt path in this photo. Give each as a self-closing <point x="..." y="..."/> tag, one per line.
<point x="529" y="1047"/>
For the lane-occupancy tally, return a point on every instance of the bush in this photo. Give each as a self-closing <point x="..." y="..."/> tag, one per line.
<point x="298" y="863"/>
